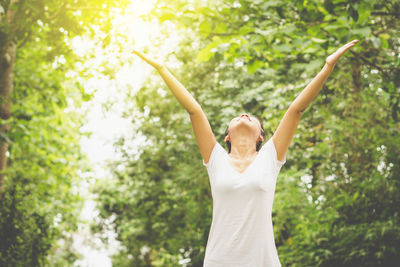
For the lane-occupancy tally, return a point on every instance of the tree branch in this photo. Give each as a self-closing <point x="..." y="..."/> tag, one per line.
<point x="381" y="13"/>
<point x="371" y="63"/>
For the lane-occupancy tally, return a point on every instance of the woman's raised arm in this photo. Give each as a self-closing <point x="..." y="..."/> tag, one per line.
<point x="284" y="133"/>
<point x="201" y="127"/>
<point x="312" y="89"/>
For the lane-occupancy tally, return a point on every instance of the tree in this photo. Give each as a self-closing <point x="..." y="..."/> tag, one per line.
<point x="39" y="136"/>
<point x="335" y="200"/>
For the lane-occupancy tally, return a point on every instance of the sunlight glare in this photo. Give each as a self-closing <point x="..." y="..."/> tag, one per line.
<point x="142" y="7"/>
<point x="135" y="26"/>
<point x="130" y="31"/>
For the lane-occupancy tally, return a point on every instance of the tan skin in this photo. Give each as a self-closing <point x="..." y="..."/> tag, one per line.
<point x="245" y="132"/>
<point x="243" y="148"/>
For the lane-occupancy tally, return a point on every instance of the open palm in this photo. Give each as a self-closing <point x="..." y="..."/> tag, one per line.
<point x="332" y="59"/>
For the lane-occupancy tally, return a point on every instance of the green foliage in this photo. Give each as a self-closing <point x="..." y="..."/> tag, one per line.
<point x="257" y="56"/>
<point x="40" y="201"/>
<point x="43" y="166"/>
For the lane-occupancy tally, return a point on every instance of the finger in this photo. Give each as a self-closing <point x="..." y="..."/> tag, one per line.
<point x="141" y="55"/>
<point x="352" y="43"/>
<point x="137" y="52"/>
<point x="349" y="46"/>
<point x="144" y="58"/>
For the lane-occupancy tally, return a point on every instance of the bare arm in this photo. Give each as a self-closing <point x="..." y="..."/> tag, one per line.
<point x="201" y="127"/>
<point x="287" y="127"/>
<point x="311" y="91"/>
<point x="179" y="91"/>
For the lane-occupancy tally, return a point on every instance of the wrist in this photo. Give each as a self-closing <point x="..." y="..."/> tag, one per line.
<point x="329" y="66"/>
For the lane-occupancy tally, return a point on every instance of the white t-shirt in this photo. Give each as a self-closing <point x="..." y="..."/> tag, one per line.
<point x="241" y="233"/>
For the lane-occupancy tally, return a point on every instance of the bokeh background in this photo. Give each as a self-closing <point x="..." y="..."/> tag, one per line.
<point x="99" y="164"/>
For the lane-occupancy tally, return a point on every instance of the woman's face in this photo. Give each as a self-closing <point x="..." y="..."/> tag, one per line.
<point x="245" y="121"/>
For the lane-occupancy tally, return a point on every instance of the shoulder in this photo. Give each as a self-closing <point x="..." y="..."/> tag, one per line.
<point x="269" y="149"/>
<point x="217" y="152"/>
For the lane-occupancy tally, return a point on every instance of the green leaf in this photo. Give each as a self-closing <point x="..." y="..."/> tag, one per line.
<point x="268" y="4"/>
<point x="246" y="29"/>
<point x="384" y="43"/>
<point x="267" y="32"/>
<point x="254" y="66"/>
<point x="205" y="28"/>
<point x="363" y="13"/>
<point x="365" y="31"/>
<point x="204" y="55"/>
<point x="315" y="64"/>
<point x="333" y="26"/>
<point x="166" y="16"/>
<point x="283" y="47"/>
<point x="311" y="49"/>
<point x="318" y="40"/>
<point x="221" y="28"/>
<point x="87" y="97"/>
<point x="287" y="29"/>
<point x="384" y="36"/>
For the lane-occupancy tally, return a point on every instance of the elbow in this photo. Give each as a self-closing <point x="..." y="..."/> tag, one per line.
<point x="297" y="110"/>
<point x="300" y="111"/>
<point x="194" y="110"/>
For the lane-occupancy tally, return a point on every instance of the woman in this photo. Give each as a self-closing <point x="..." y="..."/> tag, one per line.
<point x="243" y="179"/>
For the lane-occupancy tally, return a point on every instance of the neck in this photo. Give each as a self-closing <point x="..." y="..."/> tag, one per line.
<point x="242" y="147"/>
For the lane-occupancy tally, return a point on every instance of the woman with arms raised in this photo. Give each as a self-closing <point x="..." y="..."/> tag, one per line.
<point x="243" y="179"/>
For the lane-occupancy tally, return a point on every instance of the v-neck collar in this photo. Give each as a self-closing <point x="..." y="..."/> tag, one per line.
<point x="241" y="173"/>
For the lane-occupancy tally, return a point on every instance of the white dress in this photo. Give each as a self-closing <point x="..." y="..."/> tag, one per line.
<point x="241" y="233"/>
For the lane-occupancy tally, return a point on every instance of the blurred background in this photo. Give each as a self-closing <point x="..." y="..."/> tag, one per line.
<point x="99" y="164"/>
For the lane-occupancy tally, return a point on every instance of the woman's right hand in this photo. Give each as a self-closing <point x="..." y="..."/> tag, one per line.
<point x="157" y="64"/>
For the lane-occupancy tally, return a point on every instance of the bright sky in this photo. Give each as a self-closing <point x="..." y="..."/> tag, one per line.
<point x="107" y="125"/>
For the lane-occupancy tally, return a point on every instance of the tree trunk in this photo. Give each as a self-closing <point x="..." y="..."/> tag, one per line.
<point x="8" y="51"/>
<point x="6" y="85"/>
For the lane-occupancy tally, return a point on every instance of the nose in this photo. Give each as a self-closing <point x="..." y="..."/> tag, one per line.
<point x="245" y="114"/>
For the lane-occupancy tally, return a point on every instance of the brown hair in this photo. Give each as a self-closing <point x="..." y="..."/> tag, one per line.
<point x="258" y="145"/>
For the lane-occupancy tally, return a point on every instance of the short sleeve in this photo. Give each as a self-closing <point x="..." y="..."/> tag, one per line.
<point x="270" y="146"/>
<point x="216" y="152"/>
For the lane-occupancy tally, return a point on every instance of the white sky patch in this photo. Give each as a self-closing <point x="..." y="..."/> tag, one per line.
<point x="108" y="124"/>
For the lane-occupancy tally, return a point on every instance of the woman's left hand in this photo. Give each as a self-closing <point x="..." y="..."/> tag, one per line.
<point x="332" y="59"/>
